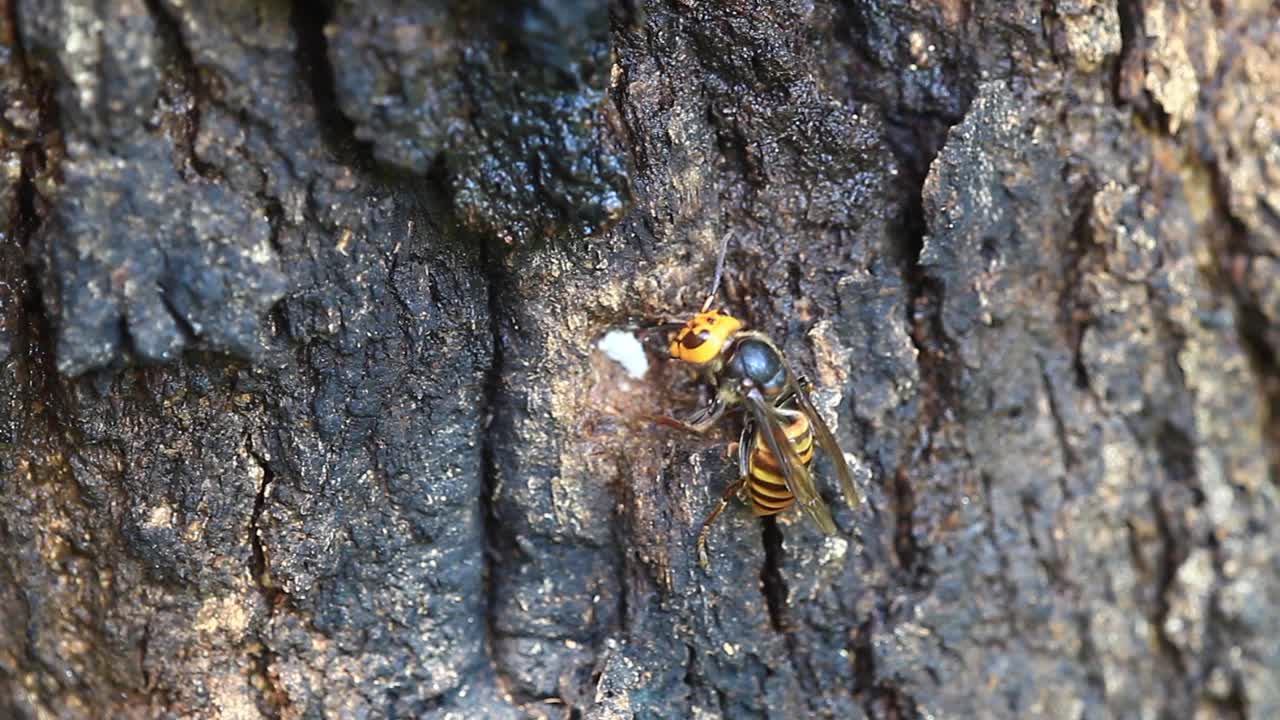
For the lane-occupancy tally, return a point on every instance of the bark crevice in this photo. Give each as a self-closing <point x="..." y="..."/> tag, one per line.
<point x="1232" y="257"/>
<point x="498" y="543"/>
<point x="338" y="130"/>
<point x="272" y="698"/>
<point x="180" y="104"/>
<point x="773" y="585"/>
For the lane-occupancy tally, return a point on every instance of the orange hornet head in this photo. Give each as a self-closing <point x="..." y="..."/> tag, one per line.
<point x="701" y="339"/>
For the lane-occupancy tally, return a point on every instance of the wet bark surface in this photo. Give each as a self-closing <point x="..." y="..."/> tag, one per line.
<point x="302" y="413"/>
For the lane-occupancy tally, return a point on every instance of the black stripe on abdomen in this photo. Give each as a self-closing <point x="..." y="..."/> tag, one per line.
<point x="768" y="497"/>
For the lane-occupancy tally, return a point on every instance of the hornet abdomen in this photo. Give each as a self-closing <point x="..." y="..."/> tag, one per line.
<point x="765" y="485"/>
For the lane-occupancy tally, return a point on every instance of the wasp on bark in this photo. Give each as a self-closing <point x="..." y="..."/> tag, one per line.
<point x="747" y="370"/>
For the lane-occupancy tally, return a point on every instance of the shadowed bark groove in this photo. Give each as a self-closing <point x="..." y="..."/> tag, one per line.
<point x="771" y="580"/>
<point x="303" y="412"/>
<point x="498" y="544"/>
<point x="272" y="698"/>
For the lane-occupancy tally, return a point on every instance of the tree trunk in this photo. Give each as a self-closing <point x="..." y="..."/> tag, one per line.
<point x="302" y="412"/>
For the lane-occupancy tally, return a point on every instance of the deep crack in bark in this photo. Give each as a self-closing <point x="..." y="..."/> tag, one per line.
<point x="916" y="141"/>
<point x="26" y="218"/>
<point x="181" y="100"/>
<point x="492" y="414"/>
<point x="1252" y="326"/>
<point x="1172" y="554"/>
<point x="772" y="583"/>
<point x="271" y="698"/>
<point x="924" y="325"/>
<point x="338" y="130"/>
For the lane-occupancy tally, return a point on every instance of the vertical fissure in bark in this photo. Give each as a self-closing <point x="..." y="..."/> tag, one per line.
<point x="925" y="332"/>
<point x="1131" y="65"/>
<point x="618" y="532"/>
<point x="863" y="657"/>
<point x="271" y="698"/>
<point x="1089" y="657"/>
<point x="492" y="423"/>
<point x="182" y="97"/>
<point x="690" y="678"/>
<point x="144" y="647"/>
<point x="1129" y="86"/>
<point x="34" y="332"/>
<point x="878" y="697"/>
<point x="1218" y="641"/>
<point x="916" y="140"/>
<point x="1070" y="461"/>
<point x="991" y="531"/>
<point x="1235" y="705"/>
<point x="26" y="221"/>
<point x="774" y="588"/>
<point x="1231" y="254"/>
<point x="1252" y="327"/>
<point x="772" y="583"/>
<point x="1131" y="48"/>
<point x="1171" y="504"/>
<point x="1172" y="554"/>
<point x="308" y="20"/>
<point x="34" y="406"/>
<point x="1080" y="257"/>
<point x="495" y="428"/>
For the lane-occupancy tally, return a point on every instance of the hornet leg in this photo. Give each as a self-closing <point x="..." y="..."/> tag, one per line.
<point x="729" y="492"/>
<point x="744" y="456"/>
<point x="699" y="423"/>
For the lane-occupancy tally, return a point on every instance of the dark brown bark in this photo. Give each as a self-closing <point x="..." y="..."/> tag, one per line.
<point x="302" y="413"/>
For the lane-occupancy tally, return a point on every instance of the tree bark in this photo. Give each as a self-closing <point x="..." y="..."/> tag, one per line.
<point x="302" y="412"/>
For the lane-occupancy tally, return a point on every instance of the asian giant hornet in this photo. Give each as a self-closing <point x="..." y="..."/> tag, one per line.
<point x="746" y="369"/>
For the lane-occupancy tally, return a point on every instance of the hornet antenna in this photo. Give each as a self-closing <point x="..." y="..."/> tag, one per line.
<point x="715" y="284"/>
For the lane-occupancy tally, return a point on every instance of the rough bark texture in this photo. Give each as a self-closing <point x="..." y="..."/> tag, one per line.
<point x="301" y="412"/>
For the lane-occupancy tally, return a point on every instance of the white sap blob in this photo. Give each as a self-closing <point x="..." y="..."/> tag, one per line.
<point x="625" y="349"/>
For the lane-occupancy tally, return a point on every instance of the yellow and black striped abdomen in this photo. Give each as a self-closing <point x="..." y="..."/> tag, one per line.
<point x="766" y="486"/>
